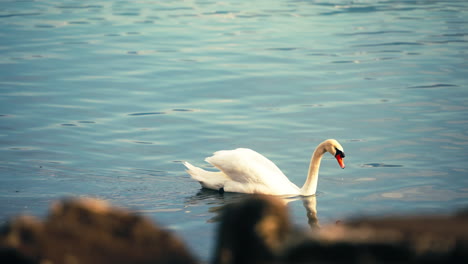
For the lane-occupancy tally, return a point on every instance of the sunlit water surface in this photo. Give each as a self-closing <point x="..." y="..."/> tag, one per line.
<point x="105" y="99"/>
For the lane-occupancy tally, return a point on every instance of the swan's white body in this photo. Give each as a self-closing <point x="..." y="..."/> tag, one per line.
<point x="246" y="171"/>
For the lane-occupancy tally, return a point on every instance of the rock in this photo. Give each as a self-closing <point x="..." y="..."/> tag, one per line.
<point x="89" y="231"/>
<point x="405" y="239"/>
<point x="255" y="230"/>
<point x="252" y="231"/>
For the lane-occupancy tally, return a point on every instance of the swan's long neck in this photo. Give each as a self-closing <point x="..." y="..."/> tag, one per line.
<point x="310" y="186"/>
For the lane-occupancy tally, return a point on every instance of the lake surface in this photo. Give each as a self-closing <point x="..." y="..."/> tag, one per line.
<point x="105" y="99"/>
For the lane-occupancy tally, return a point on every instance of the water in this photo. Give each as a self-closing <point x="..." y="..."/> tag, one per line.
<point x="105" y="99"/>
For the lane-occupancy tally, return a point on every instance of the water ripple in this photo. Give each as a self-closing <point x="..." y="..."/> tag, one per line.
<point x="380" y="165"/>
<point x="147" y="113"/>
<point x="398" y="43"/>
<point x="20" y="14"/>
<point x="374" y="32"/>
<point x="437" y="85"/>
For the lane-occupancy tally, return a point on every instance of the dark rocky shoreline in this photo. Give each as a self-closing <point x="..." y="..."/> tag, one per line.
<point x="255" y="230"/>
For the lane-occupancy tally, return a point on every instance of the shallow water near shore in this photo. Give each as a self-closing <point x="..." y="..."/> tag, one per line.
<point x="105" y="99"/>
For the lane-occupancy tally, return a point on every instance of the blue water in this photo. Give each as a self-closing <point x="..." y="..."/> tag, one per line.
<point x="105" y="99"/>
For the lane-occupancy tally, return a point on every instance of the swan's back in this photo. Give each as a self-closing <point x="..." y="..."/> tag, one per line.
<point x="249" y="169"/>
<point x="245" y="165"/>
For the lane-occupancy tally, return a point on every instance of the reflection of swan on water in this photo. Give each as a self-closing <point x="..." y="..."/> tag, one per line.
<point x="310" y="204"/>
<point x="217" y="202"/>
<point x="246" y="171"/>
<point x="214" y="200"/>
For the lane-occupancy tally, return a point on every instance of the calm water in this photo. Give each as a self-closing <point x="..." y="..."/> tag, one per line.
<point x="104" y="99"/>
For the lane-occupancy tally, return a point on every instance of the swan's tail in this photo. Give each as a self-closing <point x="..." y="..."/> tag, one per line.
<point x="207" y="179"/>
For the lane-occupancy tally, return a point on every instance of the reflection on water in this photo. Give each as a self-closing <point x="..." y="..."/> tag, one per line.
<point x="207" y="196"/>
<point x="310" y="204"/>
<point x="217" y="202"/>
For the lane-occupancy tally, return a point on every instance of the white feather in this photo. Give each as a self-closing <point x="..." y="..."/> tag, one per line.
<point x="246" y="171"/>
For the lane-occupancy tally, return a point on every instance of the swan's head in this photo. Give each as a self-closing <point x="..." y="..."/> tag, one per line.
<point x="333" y="147"/>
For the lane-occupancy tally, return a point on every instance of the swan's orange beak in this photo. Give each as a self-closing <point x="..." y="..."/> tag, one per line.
<point x="339" y="158"/>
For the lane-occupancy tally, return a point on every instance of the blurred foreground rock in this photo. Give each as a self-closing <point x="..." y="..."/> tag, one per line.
<point x="261" y="222"/>
<point x="252" y="231"/>
<point x="87" y="231"/>
<point x="421" y="239"/>
<point x="255" y="230"/>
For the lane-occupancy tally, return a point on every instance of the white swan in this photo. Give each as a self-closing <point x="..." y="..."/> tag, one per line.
<point x="246" y="171"/>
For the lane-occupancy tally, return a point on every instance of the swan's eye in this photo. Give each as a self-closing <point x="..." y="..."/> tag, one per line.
<point x="339" y="153"/>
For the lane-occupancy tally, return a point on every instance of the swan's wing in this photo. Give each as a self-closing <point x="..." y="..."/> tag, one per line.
<point x="246" y="166"/>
